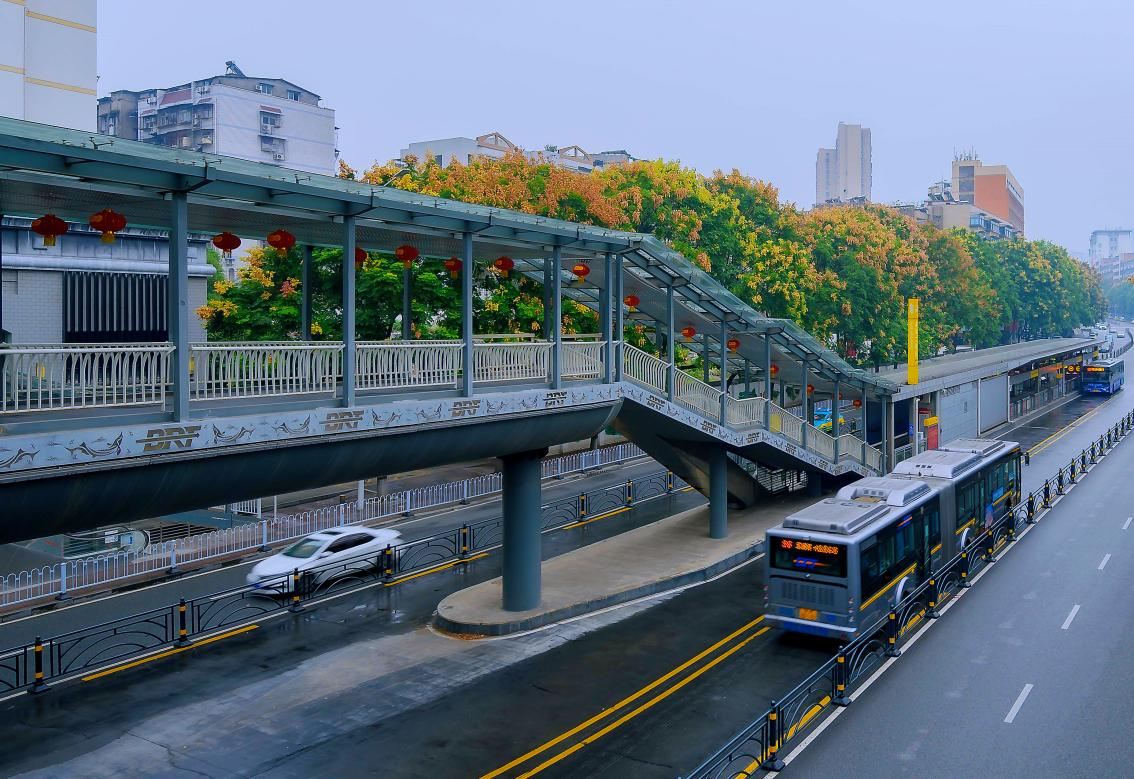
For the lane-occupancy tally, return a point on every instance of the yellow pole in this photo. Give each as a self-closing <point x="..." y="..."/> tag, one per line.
<point x="911" y="341"/>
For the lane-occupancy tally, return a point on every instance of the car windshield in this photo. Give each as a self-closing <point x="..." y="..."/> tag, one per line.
<point x="304" y="548"/>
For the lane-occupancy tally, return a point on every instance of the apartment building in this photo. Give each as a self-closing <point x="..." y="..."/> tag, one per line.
<point x="494" y="145"/>
<point x="844" y="174"/>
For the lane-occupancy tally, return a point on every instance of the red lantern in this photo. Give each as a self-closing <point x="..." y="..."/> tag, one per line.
<point x="360" y="256"/>
<point x="632" y="301"/>
<point x="810" y="389"/>
<point x="503" y="264"/>
<point x="281" y="241"/>
<point x="581" y="270"/>
<point x="226" y="242"/>
<point x="688" y="331"/>
<point x="407" y="254"/>
<point x="857" y="403"/>
<point x="108" y="223"/>
<point x="453" y="265"/>
<point x="733" y="344"/>
<point x="50" y="227"/>
<point x="775" y="370"/>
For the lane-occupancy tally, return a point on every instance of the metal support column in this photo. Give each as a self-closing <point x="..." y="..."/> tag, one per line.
<point x="768" y="381"/>
<point x="835" y="427"/>
<point x="350" y="365"/>
<point x="547" y="304"/>
<point x="407" y="303"/>
<point x="557" y="318"/>
<point x="865" y="434"/>
<point x="177" y="303"/>
<point x="888" y="434"/>
<point x="305" y="291"/>
<point x="467" y="314"/>
<point x="803" y="406"/>
<point x="724" y="372"/>
<point x="747" y="377"/>
<point x="705" y="358"/>
<point x="521" y="542"/>
<point x="619" y="320"/>
<point x="606" y="292"/>
<point x="718" y="492"/>
<point x="670" y="377"/>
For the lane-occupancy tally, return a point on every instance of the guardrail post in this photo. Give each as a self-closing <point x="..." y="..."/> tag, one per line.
<point x="669" y="481"/>
<point x="1028" y="457"/>
<point x="558" y="467"/>
<point x="892" y="635"/>
<point x="263" y="535"/>
<point x="774" y="728"/>
<point x="1092" y="453"/>
<point x="629" y="492"/>
<point x="582" y="505"/>
<point x="173" y="569"/>
<point x="1083" y="460"/>
<point x="409" y="504"/>
<point x="295" y="604"/>
<point x="62" y="594"/>
<point x="1072" y="470"/>
<point x="991" y="546"/>
<point x="182" y="626"/>
<point x="464" y="541"/>
<point x="1047" y="494"/>
<point x="965" y="583"/>
<point x="388" y="563"/>
<point x="933" y="596"/>
<point x="465" y="492"/>
<point x="840" y="698"/>
<point x="38" y="685"/>
<point x="1032" y="509"/>
<point x="1059" y="483"/>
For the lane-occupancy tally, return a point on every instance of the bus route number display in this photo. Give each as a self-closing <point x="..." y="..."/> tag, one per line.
<point x="1095" y="369"/>
<point x="807" y="546"/>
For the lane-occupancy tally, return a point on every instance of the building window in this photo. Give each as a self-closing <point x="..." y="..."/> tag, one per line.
<point x="293" y="94"/>
<point x="265" y="88"/>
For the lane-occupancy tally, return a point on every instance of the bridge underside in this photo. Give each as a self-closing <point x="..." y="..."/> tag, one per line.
<point x="82" y="497"/>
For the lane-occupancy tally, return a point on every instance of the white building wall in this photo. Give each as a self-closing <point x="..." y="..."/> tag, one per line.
<point x="450" y="149"/>
<point x="11" y="60"/>
<point x="33" y="304"/>
<point x="309" y="131"/>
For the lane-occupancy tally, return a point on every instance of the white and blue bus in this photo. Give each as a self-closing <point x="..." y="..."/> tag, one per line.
<point x="1103" y="377"/>
<point x="842" y="563"/>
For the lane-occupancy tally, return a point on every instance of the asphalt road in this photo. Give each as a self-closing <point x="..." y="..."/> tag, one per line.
<point x="1029" y="674"/>
<point x="20" y="630"/>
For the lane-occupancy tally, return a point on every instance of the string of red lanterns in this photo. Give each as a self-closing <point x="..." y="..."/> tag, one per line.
<point x="688" y="331"/>
<point x="49" y="227"/>
<point x="108" y="222"/>
<point x="631" y="301"/>
<point x="453" y="265"/>
<point x="407" y="254"/>
<point x="503" y="265"/>
<point x="226" y="242"/>
<point x="581" y="269"/>
<point x="281" y="240"/>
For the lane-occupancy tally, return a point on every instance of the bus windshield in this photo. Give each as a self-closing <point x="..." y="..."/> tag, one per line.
<point x="792" y="554"/>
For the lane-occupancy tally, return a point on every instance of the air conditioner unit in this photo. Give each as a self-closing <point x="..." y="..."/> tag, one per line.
<point x="266" y="129"/>
<point x="278" y="156"/>
<point x="196" y="121"/>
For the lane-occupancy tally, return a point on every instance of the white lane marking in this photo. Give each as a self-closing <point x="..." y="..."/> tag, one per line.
<point x="1105" y="560"/>
<point x="1126" y="524"/>
<point x="1023" y="696"/>
<point x="1071" y="616"/>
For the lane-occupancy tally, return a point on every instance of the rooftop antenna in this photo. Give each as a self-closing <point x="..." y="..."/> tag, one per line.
<point x="232" y="69"/>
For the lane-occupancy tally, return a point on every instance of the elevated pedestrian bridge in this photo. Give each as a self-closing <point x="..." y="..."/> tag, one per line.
<point x="98" y="432"/>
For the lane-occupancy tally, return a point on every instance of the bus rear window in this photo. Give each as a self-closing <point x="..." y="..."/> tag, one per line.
<point x="792" y="554"/>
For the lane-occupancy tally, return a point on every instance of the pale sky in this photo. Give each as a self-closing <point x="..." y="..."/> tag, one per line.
<point x="1044" y="87"/>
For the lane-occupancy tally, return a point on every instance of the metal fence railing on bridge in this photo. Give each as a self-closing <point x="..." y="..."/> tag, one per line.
<point x="66" y="577"/>
<point x="33" y="666"/>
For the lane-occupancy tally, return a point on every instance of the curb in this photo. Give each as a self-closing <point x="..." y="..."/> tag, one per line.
<point x="482" y="629"/>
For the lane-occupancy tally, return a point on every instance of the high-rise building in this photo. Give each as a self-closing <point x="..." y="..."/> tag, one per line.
<point x="446" y="151"/>
<point x="260" y="119"/>
<point x="991" y="188"/>
<point x="843" y="174"/>
<point x="47" y="62"/>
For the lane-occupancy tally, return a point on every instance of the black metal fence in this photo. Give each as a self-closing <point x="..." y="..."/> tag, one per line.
<point x="760" y="744"/>
<point x="33" y="666"/>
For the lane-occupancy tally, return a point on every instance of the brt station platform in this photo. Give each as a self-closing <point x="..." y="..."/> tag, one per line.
<point x="968" y="394"/>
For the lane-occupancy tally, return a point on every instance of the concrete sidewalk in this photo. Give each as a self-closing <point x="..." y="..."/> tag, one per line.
<point x="669" y="553"/>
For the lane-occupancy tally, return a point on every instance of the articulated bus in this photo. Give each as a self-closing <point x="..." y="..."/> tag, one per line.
<point x="840" y="565"/>
<point x="1103" y="377"/>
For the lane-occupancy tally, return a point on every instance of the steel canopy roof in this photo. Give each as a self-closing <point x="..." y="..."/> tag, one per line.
<point x="46" y="169"/>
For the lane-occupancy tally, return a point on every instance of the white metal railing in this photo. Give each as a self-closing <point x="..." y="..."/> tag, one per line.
<point x="40" y="377"/>
<point x="394" y="365"/>
<point x="697" y="395"/>
<point x="243" y="370"/>
<point x="786" y="424"/>
<point x="873" y="458"/>
<point x="582" y="359"/>
<point x="500" y="362"/>
<point x="102" y="569"/>
<point x="745" y="412"/>
<point x="821" y="443"/>
<point x="643" y="368"/>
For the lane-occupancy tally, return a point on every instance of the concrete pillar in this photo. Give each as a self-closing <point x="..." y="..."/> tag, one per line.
<point x="407" y="303"/>
<point x="556" y="318"/>
<point x="177" y="303"/>
<point x="670" y="379"/>
<point x="467" y="314"/>
<point x="521" y="544"/>
<point x="350" y="366"/>
<point x="604" y="316"/>
<point x="305" y="292"/>
<point x="718" y="492"/>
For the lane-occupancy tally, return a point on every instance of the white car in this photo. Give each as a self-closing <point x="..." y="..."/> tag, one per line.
<point x="322" y="550"/>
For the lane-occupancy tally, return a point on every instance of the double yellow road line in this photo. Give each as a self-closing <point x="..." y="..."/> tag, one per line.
<point x="613" y="717"/>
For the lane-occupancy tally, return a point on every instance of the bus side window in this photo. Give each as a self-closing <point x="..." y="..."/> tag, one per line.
<point x="934" y="527"/>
